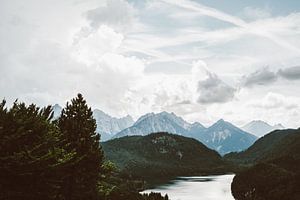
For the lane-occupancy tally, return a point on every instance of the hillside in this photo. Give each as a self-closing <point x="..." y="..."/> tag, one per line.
<point x="162" y="155"/>
<point x="224" y="137"/>
<point x="273" y="145"/>
<point x="275" y="168"/>
<point x="276" y="180"/>
<point x="108" y="126"/>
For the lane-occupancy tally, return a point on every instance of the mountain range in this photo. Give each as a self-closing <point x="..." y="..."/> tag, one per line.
<point x="222" y="136"/>
<point x="260" y="128"/>
<point x="107" y="126"/>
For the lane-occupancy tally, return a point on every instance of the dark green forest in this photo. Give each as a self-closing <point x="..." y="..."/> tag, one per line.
<point x="43" y="158"/>
<point x="159" y="157"/>
<point x="273" y="168"/>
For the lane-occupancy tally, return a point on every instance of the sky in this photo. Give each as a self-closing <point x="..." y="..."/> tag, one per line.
<point x="201" y="59"/>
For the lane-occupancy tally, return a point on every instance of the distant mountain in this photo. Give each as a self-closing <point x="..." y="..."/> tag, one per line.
<point x="260" y="128"/>
<point x="162" y="155"/>
<point x="108" y="126"/>
<point x="276" y="144"/>
<point x="161" y="122"/>
<point x="56" y="111"/>
<point x="222" y="136"/>
<point x="225" y="137"/>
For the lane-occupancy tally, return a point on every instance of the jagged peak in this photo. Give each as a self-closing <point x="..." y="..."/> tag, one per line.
<point x="197" y="124"/>
<point x="144" y="117"/>
<point x="223" y="123"/>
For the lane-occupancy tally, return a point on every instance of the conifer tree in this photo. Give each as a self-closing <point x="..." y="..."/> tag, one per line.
<point x="30" y="156"/>
<point x="79" y="131"/>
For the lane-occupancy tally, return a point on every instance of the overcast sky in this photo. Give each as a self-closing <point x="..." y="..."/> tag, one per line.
<point x="203" y="60"/>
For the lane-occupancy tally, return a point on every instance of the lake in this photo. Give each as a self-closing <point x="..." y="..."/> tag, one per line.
<point x="197" y="188"/>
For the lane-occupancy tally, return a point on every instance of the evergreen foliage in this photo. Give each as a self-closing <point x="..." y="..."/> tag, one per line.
<point x="275" y="170"/>
<point x="159" y="157"/>
<point x="276" y="144"/>
<point x="31" y="155"/>
<point x="277" y="179"/>
<point x="42" y="158"/>
<point x="79" y="132"/>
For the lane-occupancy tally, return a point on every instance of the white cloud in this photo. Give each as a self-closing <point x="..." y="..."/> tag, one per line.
<point x="118" y="14"/>
<point x="91" y="48"/>
<point x="275" y="101"/>
<point x="50" y="51"/>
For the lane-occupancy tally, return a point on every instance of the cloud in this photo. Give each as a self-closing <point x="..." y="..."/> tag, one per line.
<point x="275" y="101"/>
<point x="260" y="77"/>
<point x="118" y="14"/>
<point x="214" y="90"/>
<point x="204" y="10"/>
<point x="291" y="73"/>
<point x="90" y="48"/>
<point x="51" y="50"/>
<point x="265" y="76"/>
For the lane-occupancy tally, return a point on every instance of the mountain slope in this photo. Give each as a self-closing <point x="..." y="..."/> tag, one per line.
<point x="161" y="122"/>
<point x="260" y="128"/>
<point x="273" y="145"/>
<point x="162" y="155"/>
<point x="222" y="136"/>
<point x="56" y="111"/>
<point x="108" y="126"/>
<point x="225" y="137"/>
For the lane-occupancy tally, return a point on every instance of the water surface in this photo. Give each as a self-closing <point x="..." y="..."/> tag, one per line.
<point x="197" y="188"/>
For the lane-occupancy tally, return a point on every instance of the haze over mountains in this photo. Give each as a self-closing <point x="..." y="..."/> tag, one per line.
<point x="260" y="128"/>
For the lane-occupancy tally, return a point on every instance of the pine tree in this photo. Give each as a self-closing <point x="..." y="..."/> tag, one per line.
<point x="79" y="131"/>
<point x="30" y="154"/>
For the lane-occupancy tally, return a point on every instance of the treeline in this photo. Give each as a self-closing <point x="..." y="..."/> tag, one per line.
<point x="46" y="158"/>
<point x="277" y="179"/>
<point x="273" y="168"/>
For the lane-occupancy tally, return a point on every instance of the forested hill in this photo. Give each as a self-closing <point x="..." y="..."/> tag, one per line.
<point x="276" y="171"/>
<point x="276" y="144"/>
<point x="162" y="155"/>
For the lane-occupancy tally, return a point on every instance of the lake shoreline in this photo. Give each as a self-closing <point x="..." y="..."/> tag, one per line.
<point x="209" y="187"/>
<point x="157" y="182"/>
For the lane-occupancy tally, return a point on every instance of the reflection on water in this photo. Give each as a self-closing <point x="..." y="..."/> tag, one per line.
<point x="198" y="188"/>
